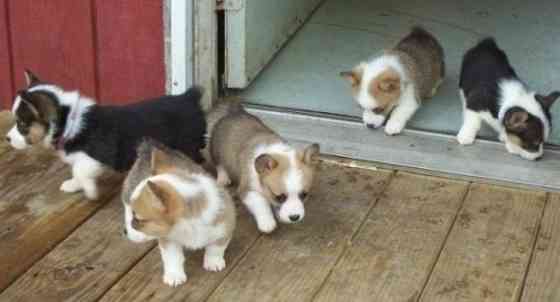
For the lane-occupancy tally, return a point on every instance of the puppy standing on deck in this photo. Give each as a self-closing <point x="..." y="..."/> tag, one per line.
<point x="398" y="81"/>
<point x="492" y="92"/>
<point x="270" y="174"/>
<point x="90" y="137"/>
<point x="169" y="198"/>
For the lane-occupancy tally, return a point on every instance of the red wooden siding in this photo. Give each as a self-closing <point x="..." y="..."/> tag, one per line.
<point x="5" y="62"/>
<point x="112" y="50"/>
<point x="130" y="50"/>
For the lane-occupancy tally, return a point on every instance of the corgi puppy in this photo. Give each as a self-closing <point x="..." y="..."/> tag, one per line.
<point x="394" y="84"/>
<point x="169" y="198"/>
<point x="492" y="92"/>
<point x="91" y="137"/>
<point x="272" y="176"/>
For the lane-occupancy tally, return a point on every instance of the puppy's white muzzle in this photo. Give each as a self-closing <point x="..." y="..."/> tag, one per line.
<point x="132" y="234"/>
<point x="291" y="211"/>
<point x="16" y="140"/>
<point x="515" y="149"/>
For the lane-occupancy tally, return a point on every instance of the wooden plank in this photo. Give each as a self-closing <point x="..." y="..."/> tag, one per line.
<point x="83" y="266"/>
<point x="54" y="39"/>
<point x="489" y="247"/>
<point x="543" y="278"/>
<point x="205" y="49"/>
<point x="5" y="60"/>
<point x="291" y="264"/>
<point x="394" y="252"/>
<point x="130" y="60"/>
<point x="144" y="281"/>
<point x="34" y="214"/>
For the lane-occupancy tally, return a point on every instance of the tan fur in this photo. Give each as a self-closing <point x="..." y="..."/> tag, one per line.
<point x="386" y="88"/>
<point x="234" y="140"/>
<point x="37" y="133"/>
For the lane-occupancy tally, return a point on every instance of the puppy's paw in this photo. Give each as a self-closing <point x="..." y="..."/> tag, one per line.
<point x="465" y="138"/>
<point x="174" y="278"/>
<point x="70" y="186"/>
<point x="91" y="194"/>
<point x="393" y="128"/>
<point x="214" y="263"/>
<point x="266" y="225"/>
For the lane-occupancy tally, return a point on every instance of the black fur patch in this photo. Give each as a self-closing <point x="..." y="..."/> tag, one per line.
<point x="484" y="67"/>
<point x="111" y="134"/>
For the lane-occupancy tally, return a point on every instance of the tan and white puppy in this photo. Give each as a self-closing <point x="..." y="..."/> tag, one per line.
<point x="395" y="83"/>
<point x="169" y="198"/>
<point x="270" y="174"/>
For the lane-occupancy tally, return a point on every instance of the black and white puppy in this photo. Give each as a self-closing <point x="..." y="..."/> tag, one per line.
<point x="90" y="137"/>
<point x="492" y="92"/>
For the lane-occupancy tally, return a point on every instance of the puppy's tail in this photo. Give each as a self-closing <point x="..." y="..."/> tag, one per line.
<point x="221" y="110"/>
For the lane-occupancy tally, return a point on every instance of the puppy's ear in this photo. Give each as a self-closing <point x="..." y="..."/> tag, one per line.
<point x="548" y="100"/>
<point x="156" y="196"/>
<point x="264" y="164"/>
<point x="30" y="78"/>
<point x="160" y="162"/>
<point x="354" y="76"/>
<point x="27" y="103"/>
<point x="516" y="121"/>
<point x="311" y="154"/>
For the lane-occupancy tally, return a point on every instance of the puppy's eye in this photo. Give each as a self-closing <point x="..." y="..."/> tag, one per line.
<point x="136" y="223"/>
<point x="302" y="195"/>
<point x="280" y="198"/>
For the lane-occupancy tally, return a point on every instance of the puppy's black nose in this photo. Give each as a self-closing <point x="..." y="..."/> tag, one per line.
<point x="8" y="139"/>
<point x="294" y="218"/>
<point x="370" y="126"/>
<point x="124" y="232"/>
<point x="378" y="110"/>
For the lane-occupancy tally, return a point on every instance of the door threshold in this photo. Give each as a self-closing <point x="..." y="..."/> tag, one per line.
<point x="347" y="137"/>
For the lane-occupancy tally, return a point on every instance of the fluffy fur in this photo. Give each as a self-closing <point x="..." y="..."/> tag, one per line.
<point x="272" y="176"/>
<point x="90" y="137"/>
<point x="394" y="84"/>
<point x="491" y="91"/>
<point x="169" y="198"/>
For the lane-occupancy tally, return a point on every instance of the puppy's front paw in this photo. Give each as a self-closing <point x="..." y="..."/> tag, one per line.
<point x="465" y="138"/>
<point x="214" y="263"/>
<point x="174" y="278"/>
<point x="70" y="186"/>
<point x="393" y="128"/>
<point x="266" y="225"/>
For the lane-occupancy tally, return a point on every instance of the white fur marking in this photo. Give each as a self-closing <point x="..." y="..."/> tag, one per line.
<point x="173" y="264"/>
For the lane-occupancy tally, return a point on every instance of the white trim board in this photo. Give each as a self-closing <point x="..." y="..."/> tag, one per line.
<point x="178" y="20"/>
<point x="415" y="149"/>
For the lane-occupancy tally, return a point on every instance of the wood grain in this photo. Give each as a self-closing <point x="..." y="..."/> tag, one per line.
<point x="144" y="281"/>
<point x="291" y="264"/>
<point x="130" y="60"/>
<point x="6" y="122"/>
<point x="55" y="40"/>
<point x="393" y="254"/>
<point x="5" y="60"/>
<point x="489" y="247"/>
<point x="83" y="266"/>
<point x="543" y="279"/>
<point x="34" y="214"/>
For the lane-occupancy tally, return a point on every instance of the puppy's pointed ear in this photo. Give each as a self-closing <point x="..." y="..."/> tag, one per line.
<point x="156" y="196"/>
<point x="160" y="162"/>
<point x="310" y="155"/>
<point x="548" y="100"/>
<point x="265" y="163"/>
<point x="354" y="76"/>
<point x="516" y="121"/>
<point x="30" y="78"/>
<point x="27" y="102"/>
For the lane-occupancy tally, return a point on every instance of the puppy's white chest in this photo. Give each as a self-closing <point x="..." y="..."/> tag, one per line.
<point x="196" y="234"/>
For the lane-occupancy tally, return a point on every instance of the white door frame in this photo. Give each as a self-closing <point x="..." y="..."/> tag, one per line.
<point x="190" y="38"/>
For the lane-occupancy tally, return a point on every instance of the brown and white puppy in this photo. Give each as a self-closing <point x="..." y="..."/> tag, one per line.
<point x="270" y="174"/>
<point x="169" y="198"/>
<point x="397" y="82"/>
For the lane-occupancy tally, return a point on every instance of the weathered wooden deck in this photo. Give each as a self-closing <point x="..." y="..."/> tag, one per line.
<point x="370" y="235"/>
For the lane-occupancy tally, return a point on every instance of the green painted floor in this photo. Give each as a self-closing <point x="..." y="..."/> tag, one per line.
<point x="304" y="75"/>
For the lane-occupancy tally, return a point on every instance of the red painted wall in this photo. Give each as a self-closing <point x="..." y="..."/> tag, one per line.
<point x="112" y="50"/>
<point x="5" y="61"/>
